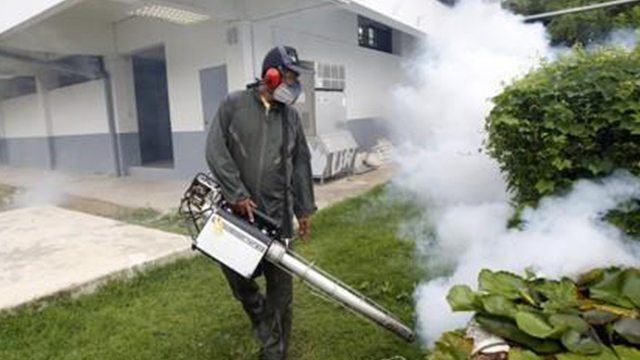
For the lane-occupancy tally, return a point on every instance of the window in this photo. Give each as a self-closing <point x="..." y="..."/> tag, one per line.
<point x="374" y="35"/>
<point x="16" y="87"/>
<point x="81" y="69"/>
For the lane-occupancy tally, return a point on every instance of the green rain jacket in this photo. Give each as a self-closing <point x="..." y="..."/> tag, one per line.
<point x="243" y="151"/>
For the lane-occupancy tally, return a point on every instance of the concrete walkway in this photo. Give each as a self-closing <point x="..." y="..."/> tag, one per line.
<point x="50" y="187"/>
<point x="48" y="250"/>
<point x="45" y="250"/>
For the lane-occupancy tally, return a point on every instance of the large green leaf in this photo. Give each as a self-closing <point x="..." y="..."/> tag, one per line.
<point x="499" y="305"/>
<point x="599" y="317"/>
<point x="521" y="354"/>
<point x="610" y="288"/>
<point x="627" y="353"/>
<point x="505" y="284"/>
<point x="461" y="298"/>
<point x="631" y="286"/>
<point x="558" y="294"/>
<point x="629" y="329"/>
<point x="534" y="324"/>
<point x="606" y="354"/>
<point x="507" y="329"/>
<point x="581" y="343"/>
<point x="590" y="277"/>
<point x="566" y="321"/>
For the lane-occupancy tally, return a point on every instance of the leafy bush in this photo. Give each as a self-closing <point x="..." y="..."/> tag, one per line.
<point x="575" y="118"/>
<point x="595" y="317"/>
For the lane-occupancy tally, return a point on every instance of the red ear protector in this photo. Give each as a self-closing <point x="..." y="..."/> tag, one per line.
<point x="273" y="78"/>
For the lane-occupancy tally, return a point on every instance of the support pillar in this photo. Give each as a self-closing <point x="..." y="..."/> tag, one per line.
<point x="43" y="100"/>
<point x="240" y="55"/>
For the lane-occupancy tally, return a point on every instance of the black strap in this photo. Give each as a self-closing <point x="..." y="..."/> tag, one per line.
<point x="286" y="217"/>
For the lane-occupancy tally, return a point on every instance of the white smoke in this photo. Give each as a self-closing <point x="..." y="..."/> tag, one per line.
<point x="472" y="50"/>
<point x="563" y="237"/>
<point x="625" y="38"/>
<point x="48" y="191"/>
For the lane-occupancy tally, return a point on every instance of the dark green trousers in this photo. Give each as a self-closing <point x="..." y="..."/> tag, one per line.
<point x="270" y="314"/>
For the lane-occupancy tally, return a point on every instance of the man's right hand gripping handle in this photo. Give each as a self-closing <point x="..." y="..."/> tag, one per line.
<point x="244" y="208"/>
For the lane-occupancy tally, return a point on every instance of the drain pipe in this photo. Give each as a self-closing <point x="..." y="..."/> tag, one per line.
<point x="111" y="117"/>
<point x="552" y="14"/>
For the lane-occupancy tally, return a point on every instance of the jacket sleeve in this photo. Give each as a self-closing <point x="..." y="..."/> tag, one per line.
<point x="219" y="159"/>
<point x="303" y="197"/>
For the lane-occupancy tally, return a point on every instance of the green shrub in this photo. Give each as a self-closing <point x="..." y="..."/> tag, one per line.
<point x="575" y="118"/>
<point x="595" y="317"/>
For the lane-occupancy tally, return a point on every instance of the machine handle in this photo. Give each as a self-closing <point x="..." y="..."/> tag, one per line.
<point x="265" y="219"/>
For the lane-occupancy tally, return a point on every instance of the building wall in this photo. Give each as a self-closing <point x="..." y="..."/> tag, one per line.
<point x="23" y="117"/>
<point x="330" y="34"/>
<point x="325" y="33"/>
<point x="3" y="142"/>
<point x="188" y="50"/>
<point x="79" y="109"/>
<point x="24" y="132"/>
<point x="80" y="134"/>
<point x="80" y="128"/>
<point x="79" y="139"/>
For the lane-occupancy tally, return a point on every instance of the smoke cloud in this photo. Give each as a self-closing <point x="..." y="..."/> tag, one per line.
<point x="48" y="191"/>
<point x="625" y="38"/>
<point x="563" y="237"/>
<point x="471" y="51"/>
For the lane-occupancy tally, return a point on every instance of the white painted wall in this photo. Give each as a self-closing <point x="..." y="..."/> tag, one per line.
<point x="23" y="117"/>
<point x="330" y="34"/>
<point x="74" y="110"/>
<point x="188" y="49"/>
<point x="412" y="13"/>
<point x="79" y="109"/>
<point x="320" y="31"/>
<point x="240" y="68"/>
<point x="261" y="9"/>
<point x="324" y="33"/>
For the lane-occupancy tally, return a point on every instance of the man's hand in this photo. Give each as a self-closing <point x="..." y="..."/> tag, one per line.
<point x="244" y="208"/>
<point x="304" y="227"/>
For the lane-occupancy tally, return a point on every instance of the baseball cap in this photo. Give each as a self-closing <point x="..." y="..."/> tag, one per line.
<point x="284" y="56"/>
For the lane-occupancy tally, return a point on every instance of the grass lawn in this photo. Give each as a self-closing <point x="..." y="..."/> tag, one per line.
<point x="185" y="310"/>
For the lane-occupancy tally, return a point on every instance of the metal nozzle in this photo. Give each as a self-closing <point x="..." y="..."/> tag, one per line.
<point x="349" y="298"/>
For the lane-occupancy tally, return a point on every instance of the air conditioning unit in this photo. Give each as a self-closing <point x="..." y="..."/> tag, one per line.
<point x="323" y="111"/>
<point x="323" y="108"/>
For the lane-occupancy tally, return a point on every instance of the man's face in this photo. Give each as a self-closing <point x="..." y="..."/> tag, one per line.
<point x="289" y="90"/>
<point x="290" y="77"/>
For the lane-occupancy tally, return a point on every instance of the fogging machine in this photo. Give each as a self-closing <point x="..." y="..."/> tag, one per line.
<point x="241" y="246"/>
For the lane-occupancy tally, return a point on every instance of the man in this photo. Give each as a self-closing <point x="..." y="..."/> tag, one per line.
<point x="245" y="153"/>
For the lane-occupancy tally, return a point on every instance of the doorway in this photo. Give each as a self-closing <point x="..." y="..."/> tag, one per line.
<point x="152" y="101"/>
